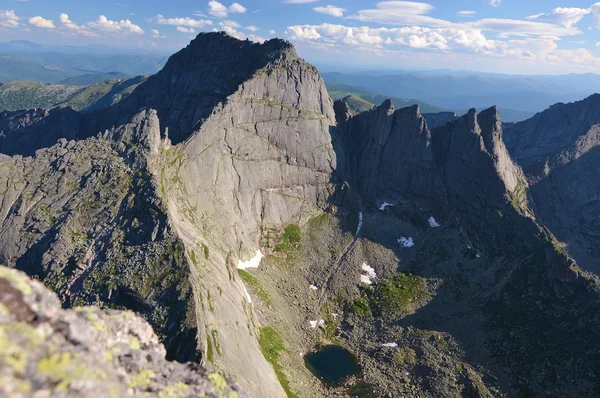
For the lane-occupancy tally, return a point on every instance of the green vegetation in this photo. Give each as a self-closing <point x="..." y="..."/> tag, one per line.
<point x="403" y="293"/>
<point x="360" y="307"/>
<point x="271" y="345"/>
<point x="94" y="78"/>
<point x="358" y="104"/>
<point x="292" y="235"/>
<point x="24" y="94"/>
<point x="405" y="356"/>
<point x="255" y="286"/>
<point x="341" y="91"/>
<point x="142" y="380"/>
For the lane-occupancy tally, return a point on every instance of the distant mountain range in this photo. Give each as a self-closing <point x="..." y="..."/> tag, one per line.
<point x="24" y="60"/>
<point x="24" y="94"/>
<point x="518" y="97"/>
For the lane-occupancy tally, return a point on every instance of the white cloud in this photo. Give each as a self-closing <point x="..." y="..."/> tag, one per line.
<point x="156" y="34"/>
<point x="400" y="13"/>
<point x="237" y="8"/>
<point x="466" y="13"/>
<point x="595" y="9"/>
<point x="331" y="10"/>
<point x="514" y="27"/>
<point x="230" y="24"/>
<point x="122" y="26"/>
<point x="219" y="10"/>
<point x="495" y="3"/>
<point x="299" y="1"/>
<point x="252" y="28"/>
<point x="598" y="44"/>
<point x="562" y="16"/>
<point x="233" y="32"/>
<point x="42" y="23"/>
<point x="272" y="32"/>
<point x="67" y="23"/>
<point x="188" y="22"/>
<point x="185" y="30"/>
<point x="8" y="19"/>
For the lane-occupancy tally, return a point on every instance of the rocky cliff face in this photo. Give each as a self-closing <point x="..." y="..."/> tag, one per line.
<point x="153" y="209"/>
<point x="93" y="352"/>
<point x="459" y="171"/>
<point x="559" y="150"/>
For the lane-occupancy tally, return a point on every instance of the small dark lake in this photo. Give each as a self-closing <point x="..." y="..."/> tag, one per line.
<point x="332" y="364"/>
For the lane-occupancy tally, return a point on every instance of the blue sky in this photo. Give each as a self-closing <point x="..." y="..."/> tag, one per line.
<point x="510" y="36"/>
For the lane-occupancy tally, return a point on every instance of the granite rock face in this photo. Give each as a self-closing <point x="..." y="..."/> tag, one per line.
<point x="460" y="171"/>
<point x="559" y="149"/>
<point x="87" y="352"/>
<point x="152" y="209"/>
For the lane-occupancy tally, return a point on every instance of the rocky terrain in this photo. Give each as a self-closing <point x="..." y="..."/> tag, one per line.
<point x="559" y="149"/>
<point x="86" y="352"/>
<point x="251" y="220"/>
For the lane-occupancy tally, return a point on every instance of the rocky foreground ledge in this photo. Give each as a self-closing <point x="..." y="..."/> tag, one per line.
<point x="46" y="351"/>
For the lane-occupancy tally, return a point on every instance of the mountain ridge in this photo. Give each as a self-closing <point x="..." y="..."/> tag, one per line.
<point x="213" y="165"/>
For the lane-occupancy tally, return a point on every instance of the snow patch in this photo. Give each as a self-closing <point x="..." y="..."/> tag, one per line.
<point x="247" y="295"/>
<point x="368" y="274"/>
<point x="314" y="324"/>
<point x="360" y="223"/>
<point x="478" y="255"/>
<point x="254" y="262"/>
<point x="406" y="242"/>
<point x="313" y="287"/>
<point x="433" y="223"/>
<point x="391" y="345"/>
<point x="384" y="205"/>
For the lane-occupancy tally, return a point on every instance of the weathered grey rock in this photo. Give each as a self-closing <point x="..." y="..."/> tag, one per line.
<point x="87" y="352"/>
<point x="460" y="171"/>
<point x="559" y="149"/>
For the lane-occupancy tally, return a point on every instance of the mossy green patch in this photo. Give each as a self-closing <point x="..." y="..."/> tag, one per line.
<point x="134" y="343"/>
<point x="63" y="369"/>
<point x="16" y="281"/>
<point x="142" y="380"/>
<point x="255" y="286"/>
<point x="271" y="345"/>
<point x="290" y="239"/>
<point x="402" y="293"/>
<point x="177" y="390"/>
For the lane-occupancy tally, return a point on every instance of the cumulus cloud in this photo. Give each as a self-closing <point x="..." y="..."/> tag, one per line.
<point x="123" y="26"/>
<point x="466" y="13"/>
<point x="67" y="23"/>
<point x="156" y="34"/>
<point x="219" y="10"/>
<point x="563" y="16"/>
<point x="237" y="8"/>
<point x="595" y="9"/>
<point x="179" y="21"/>
<point x="233" y="32"/>
<point x="299" y="1"/>
<point x="495" y="3"/>
<point x="8" y="19"/>
<point x="252" y="28"/>
<point x="41" y="23"/>
<point x="272" y="32"/>
<point x="415" y="38"/>
<point x="185" y="30"/>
